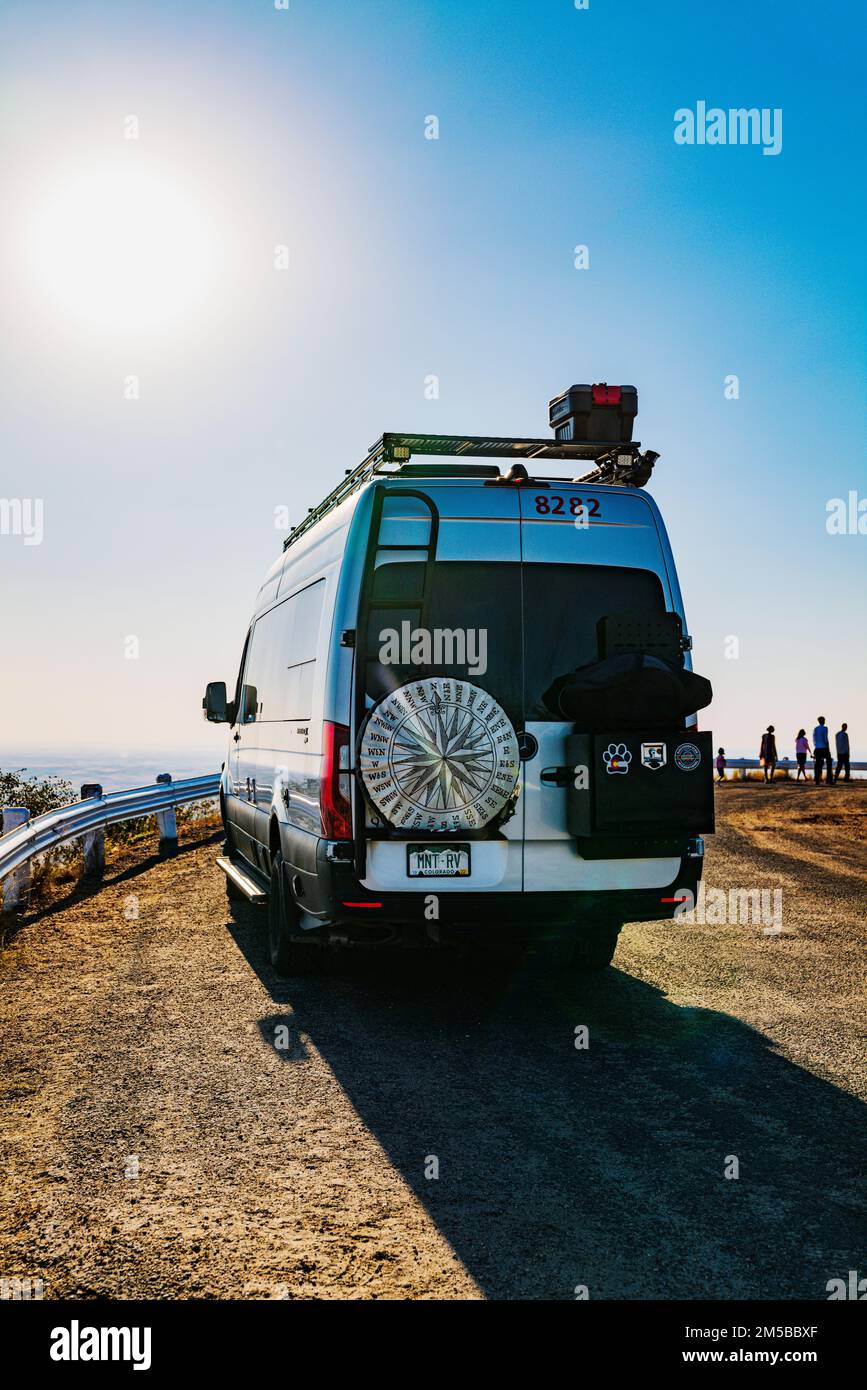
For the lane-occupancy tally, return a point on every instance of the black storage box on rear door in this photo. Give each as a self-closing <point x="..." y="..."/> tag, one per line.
<point x="657" y="634"/>
<point x="653" y="785"/>
<point x="600" y="413"/>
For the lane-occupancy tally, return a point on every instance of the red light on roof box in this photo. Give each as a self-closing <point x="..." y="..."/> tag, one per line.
<point x="603" y="394"/>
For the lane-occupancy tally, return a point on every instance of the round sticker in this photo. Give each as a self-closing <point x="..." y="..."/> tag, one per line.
<point x="439" y="754"/>
<point x="687" y="757"/>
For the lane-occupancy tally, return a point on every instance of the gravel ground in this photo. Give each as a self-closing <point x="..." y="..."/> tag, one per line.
<point x="178" y="1122"/>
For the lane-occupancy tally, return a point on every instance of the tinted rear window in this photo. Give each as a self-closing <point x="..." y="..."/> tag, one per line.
<point x="525" y="624"/>
<point x="562" y="605"/>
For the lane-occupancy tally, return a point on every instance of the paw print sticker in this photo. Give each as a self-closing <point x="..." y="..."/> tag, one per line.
<point x="617" y="758"/>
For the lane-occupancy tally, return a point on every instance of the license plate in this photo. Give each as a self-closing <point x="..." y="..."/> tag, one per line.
<point x="438" y="861"/>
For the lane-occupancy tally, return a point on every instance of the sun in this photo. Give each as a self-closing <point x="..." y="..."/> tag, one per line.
<point x="123" y="250"/>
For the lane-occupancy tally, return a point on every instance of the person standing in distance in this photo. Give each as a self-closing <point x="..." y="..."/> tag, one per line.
<point x="768" y="753"/>
<point x="822" y="750"/>
<point x="842" y="741"/>
<point x="802" y="748"/>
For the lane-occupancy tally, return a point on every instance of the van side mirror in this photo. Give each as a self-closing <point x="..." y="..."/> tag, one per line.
<point x="215" y="703"/>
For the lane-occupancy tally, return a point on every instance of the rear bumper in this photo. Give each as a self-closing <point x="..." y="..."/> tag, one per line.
<point x="333" y="895"/>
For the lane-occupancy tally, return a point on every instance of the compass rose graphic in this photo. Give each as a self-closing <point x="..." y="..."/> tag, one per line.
<point x="442" y="757"/>
<point x="439" y="754"/>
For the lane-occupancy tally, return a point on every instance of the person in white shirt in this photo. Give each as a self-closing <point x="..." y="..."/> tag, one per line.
<point x="822" y="750"/>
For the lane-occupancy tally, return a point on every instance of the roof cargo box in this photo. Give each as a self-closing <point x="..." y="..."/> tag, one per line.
<point x="601" y="412"/>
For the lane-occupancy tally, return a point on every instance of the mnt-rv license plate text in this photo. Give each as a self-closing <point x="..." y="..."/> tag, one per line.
<point x="438" y="861"/>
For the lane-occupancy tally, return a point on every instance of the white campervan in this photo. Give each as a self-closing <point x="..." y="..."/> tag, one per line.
<point x="465" y="704"/>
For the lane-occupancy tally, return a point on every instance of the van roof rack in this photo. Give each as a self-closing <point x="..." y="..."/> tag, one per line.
<point x="619" y="465"/>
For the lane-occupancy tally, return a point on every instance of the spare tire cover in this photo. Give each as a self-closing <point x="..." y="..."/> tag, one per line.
<point x="439" y="754"/>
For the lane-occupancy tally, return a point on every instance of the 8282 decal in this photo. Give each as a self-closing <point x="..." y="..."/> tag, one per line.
<point x="552" y="504"/>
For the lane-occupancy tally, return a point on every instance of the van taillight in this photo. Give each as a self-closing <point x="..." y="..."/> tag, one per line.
<point x="335" y="803"/>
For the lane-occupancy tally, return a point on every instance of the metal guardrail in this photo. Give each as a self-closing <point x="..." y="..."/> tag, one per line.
<point x="745" y="764"/>
<point x="83" y="817"/>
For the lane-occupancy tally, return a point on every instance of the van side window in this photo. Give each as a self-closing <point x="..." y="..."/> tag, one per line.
<point x="238" y="715"/>
<point x="282" y="658"/>
<point x="406" y="520"/>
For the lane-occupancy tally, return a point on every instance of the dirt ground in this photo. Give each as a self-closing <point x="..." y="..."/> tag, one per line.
<point x="178" y="1122"/>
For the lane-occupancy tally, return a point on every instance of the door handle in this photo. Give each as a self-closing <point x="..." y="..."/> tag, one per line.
<point x="236" y="737"/>
<point x="557" y="776"/>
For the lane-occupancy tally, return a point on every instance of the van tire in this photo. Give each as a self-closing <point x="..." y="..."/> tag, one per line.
<point x="594" y="950"/>
<point x="288" y="955"/>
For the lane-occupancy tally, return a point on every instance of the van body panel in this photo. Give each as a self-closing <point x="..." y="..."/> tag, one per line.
<point x="340" y="675"/>
<point x="550" y="866"/>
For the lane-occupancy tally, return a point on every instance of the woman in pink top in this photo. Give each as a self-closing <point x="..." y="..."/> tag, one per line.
<point x="802" y="748"/>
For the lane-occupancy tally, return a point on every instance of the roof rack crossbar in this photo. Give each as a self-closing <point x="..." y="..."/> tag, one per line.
<point x="392" y="449"/>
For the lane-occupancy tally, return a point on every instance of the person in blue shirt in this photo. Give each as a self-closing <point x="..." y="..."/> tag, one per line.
<point x="822" y="750"/>
<point x="842" y="741"/>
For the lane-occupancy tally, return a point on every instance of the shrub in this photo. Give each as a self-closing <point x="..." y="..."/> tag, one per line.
<point x="38" y="794"/>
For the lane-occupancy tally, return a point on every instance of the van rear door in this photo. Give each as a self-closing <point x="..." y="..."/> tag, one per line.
<point x="585" y="553"/>
<point x="445" y="557"/>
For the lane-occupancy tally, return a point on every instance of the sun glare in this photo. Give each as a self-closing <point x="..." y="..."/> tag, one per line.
<point x="123" y="250"/>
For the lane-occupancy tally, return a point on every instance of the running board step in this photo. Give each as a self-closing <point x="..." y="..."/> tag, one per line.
<point x="248" y="886"/>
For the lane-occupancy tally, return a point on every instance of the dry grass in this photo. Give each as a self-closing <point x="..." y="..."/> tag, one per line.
<point x="56" y="873"/>
<point x="821" y="825"/>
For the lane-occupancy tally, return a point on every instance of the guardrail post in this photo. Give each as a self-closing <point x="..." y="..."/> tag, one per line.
<point x="15" y="887"/>
<point x="167" y="822"/>
<point x="93" y="841"/>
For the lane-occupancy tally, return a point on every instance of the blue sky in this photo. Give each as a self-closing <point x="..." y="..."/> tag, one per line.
<point x="410" y="257"/>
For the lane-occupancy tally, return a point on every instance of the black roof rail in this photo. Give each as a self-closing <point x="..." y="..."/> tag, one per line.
<point x="620" y="465"/>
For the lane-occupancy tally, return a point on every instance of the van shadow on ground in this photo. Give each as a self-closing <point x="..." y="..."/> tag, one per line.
<point x="603" y="1167"/>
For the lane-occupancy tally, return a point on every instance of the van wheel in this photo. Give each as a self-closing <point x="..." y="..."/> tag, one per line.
<point x="288" y="955"/>
<point x="594" y="950"/>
